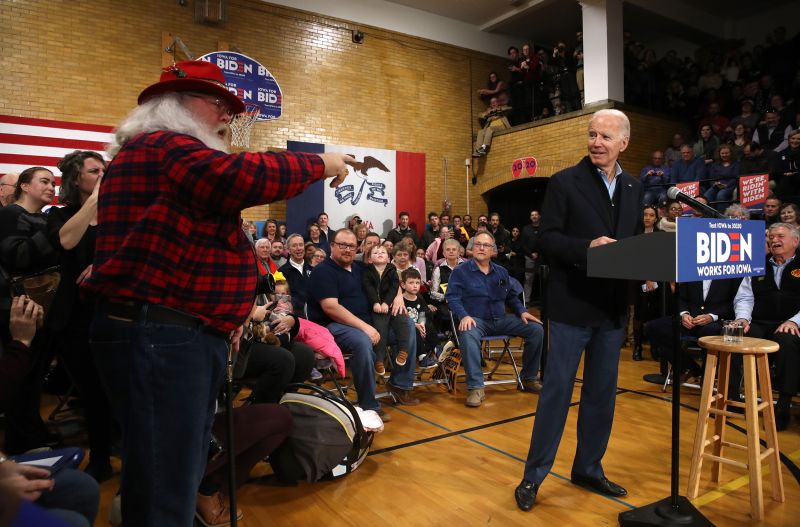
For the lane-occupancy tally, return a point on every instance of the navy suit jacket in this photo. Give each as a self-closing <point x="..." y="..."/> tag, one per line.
<point x="718" y="301"/>
<point x="577" y="209"/>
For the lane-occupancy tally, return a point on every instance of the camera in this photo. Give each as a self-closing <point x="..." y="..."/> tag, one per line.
<point x="266" y="285"/>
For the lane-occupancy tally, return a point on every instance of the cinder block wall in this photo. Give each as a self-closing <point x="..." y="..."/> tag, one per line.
<point x="88" y="61"/>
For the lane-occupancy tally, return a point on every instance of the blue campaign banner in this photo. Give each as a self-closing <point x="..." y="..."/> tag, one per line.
<point x="250" y="81"/>
<point x="712" y="248"/>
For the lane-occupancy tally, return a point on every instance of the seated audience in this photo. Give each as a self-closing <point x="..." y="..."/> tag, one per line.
<point x="337" y="301"/>
<point x="673" y="153"/>
<point x="264" y="257"/>
<point x="493" y="118"/>
<point x="440" y="277"/>
<point x="381" y="285"/>
<point x="297" y="271"/>
<point x="706" y="146"/>
<point x="421" y="314"/>
<point x="747" y="118"/>
<point x="772" y="210"/>
<point x="402" y="229"/>
<point x="755" y="161"/>
<point x="786" y="169"/>
<point x="318" y="257"/>
<point x="773" y="135"/>
<point x="372" y="239"/>
<point x="434" y="253"/>
<point x="477" y="293"/>
<point x="495" y="89"/>
<point x="769" y="308"/>
<point x="689" y="168"/>
<point x="790" y="213"/>
<point x="277" y="252"/>
<point x="431" y="229"/>
<point x="655" y="179"/>
<point x="723" y="179"/>
<point x="674" y="209"/>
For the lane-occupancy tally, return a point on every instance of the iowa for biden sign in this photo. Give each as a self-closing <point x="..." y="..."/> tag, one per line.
<point x="710" y="248"/>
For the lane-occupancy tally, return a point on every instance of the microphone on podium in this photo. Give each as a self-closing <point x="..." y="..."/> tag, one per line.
<point x="707" y="212"/>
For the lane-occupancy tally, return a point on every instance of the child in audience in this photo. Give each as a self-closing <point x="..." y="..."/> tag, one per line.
<point x="313" y="335"/>
<point x="422" y="315"/>
<point x="381" y="284"/>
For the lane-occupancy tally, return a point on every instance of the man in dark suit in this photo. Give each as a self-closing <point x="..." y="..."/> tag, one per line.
<point x="591" y="204"/>
<point x="703" y="306"/>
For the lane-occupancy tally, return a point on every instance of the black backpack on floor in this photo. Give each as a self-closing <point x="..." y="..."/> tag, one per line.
<point x="327" y="440"/>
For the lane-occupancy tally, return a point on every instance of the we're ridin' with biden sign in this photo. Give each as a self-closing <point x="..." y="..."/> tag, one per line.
<point x="712" y="248"/>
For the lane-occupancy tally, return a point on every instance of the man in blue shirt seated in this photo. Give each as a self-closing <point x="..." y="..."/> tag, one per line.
<point x="689" y="168"/>
<point x="337" y="301"/>
<point x="477" y="294"/>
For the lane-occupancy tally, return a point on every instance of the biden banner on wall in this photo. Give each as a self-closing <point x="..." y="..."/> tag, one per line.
<point x="711" y="248"/>
<point x="382" y="184"/>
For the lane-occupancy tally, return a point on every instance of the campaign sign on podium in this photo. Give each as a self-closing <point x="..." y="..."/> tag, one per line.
<point x="716" y="248"/>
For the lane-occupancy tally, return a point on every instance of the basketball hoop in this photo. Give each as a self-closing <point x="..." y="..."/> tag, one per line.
<point x="242" y="124"/>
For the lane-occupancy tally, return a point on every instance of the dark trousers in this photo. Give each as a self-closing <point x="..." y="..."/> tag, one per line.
<point x="79" y="362"/>
<point x="399" y="325"/>
<point x="25" y="429"/>
<point x="258" y="430"/>
<point x="598" y="395"/>
<point x="275" y="367"/>
<point x="162" y="382"/>
<point x="660" y="334"/>
<point x="787" y="359"/>
<point x="74" y="499"/>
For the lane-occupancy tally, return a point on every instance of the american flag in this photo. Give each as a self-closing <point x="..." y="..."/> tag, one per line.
<point x="27" y="142"/>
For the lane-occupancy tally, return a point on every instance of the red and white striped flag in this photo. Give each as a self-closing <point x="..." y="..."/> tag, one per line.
<point x="27" y="142"/>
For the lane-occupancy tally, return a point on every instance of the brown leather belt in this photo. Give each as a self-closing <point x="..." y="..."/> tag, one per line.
<point x="133" y="311"/>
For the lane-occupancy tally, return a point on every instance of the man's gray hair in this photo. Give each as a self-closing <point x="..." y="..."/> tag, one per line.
<point x="450" y="241"/>
<point x="788" y="226"/>
<point x="163" y="112"/>
<point x="625" y="124"/>
<point x="263" y="241"/>
<point x="738" y="212"/>
<point x="294" y="235"/>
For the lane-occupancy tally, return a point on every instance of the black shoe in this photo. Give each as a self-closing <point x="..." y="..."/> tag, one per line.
<point x="599" y="485"/>
<point x="525" y="494"/>
<point x="637" y="352"/>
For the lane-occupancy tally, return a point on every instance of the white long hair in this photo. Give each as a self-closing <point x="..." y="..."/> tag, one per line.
<point x="164" y="112"/>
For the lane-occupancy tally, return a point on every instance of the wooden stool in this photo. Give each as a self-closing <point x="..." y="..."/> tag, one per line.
<point x="754" y="354"/>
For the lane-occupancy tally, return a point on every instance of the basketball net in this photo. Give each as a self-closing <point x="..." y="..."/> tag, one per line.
<point x="242" y="124"/>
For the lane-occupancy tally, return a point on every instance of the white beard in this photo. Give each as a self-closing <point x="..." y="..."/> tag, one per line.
<point x="166" y="112"/>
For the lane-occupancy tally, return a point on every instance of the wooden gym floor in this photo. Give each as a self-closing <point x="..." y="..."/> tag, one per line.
<point x="441" y="463"/>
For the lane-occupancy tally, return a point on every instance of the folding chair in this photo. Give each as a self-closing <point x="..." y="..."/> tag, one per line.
<point x="488" y="350"/>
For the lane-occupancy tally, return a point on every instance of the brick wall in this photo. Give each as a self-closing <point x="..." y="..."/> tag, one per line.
<point x="88" y="61"/>
<point x="560" y="142"/>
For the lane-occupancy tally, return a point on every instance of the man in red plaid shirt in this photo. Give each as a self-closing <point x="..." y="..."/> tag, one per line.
<point x="176" y="278"/>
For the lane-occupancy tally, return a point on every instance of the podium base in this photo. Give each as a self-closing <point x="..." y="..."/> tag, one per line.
<point x="662" y="514"/>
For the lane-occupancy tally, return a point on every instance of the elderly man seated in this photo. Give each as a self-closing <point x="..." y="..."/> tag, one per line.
<point x="477" y="293"/>
<point x="769" y="308"/>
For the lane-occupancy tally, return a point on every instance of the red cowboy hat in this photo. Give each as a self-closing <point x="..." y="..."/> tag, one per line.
<point x="193" y="75"/>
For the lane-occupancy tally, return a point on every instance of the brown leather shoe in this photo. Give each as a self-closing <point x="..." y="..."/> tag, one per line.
<point x="404" y="397"/>
<point x="213" y="511"/>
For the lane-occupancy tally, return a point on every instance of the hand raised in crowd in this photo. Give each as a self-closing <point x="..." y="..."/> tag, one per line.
<point x="24" y="481"/>
<point x="26" y="317"/>
<point x="336" y="167"/>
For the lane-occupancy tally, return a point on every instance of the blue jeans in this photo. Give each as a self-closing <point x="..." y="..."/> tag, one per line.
<point x="362" y="362"/>
<point x="723" y="195"/>
<point x="511" y="325"/>
<point x="596" y="411"/>
<point x="74" y="498"/>
<point x="654" y="196"/>
<point x="163" y="382"/>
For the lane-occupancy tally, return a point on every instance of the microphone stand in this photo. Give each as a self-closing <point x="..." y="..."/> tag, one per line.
<point x="676" y="510"/>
